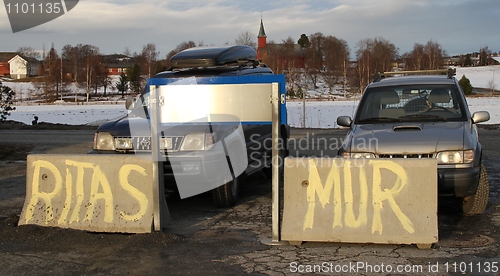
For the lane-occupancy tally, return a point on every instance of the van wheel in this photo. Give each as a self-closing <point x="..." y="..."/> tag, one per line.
<point x="227" y="194"/>
<point x="476" y="204"/>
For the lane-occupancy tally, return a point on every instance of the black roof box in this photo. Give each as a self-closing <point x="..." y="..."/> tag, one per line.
<point x="212" y="56"/>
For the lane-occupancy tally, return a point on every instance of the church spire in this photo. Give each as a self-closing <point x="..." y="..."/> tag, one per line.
<point x="262" y="33"/>
<point x="261" y="40"/>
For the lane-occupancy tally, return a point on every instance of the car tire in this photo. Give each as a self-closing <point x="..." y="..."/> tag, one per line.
<point x="476" y="204"/>
<point x="227" y="194"/>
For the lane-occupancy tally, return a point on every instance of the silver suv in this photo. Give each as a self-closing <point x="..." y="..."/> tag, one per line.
<point x="424" y="116"/>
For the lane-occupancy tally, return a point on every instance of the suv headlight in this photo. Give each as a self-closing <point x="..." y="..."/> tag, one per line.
<point x="358" y="155"/>
<point x="198" y="141"/>
<point x="455" y="157"/>
<point x="103" y="141"/>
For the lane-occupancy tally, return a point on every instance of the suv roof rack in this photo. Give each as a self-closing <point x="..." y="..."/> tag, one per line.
<point x="214" y="56"/>
<point x="450" y="72"/>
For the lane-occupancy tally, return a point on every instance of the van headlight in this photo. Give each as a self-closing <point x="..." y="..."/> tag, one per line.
<point x="198" y="141"/>
<point x="455" y="157"/>
<point x="103" y="141"/>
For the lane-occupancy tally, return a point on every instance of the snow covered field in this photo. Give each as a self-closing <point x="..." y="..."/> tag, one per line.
<point x="319" y="114"/>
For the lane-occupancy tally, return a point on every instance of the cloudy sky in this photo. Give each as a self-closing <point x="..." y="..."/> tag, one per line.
<point x="459" y="26"/>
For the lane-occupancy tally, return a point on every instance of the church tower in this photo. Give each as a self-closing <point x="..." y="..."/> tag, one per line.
<point x="261" y="40"/>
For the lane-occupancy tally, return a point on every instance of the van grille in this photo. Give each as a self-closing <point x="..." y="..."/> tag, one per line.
<point x="413" y="155"/>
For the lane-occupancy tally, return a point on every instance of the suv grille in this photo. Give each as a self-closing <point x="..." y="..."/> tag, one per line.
<point x="143" y="143"/>
<point x="413" y="155"/>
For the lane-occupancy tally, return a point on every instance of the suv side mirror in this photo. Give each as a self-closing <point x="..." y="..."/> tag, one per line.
<point x="480" y="116"/>
<point x="344" y="121"/>
<point x="129" y="103"/>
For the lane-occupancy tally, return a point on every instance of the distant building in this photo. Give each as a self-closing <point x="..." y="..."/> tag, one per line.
<point x="4" y="63"/>
<point x="261" y="40"/>
<point x="18" y="67"/>
<point x="118" y="64"/>
<point x="118" y="69"/>
<point x="264" y="51"/>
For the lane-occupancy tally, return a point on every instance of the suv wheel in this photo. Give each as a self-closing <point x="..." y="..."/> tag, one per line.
<point x="476" y="204"/>
<point x="227" y="194"/>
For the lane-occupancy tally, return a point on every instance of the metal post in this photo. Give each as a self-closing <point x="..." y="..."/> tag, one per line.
<point x="161" y="213"/>
<point x="277" y="177"/>
<point x="276" y="162"/>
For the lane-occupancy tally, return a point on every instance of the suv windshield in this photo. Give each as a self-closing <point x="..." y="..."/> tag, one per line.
<point x="411" y="103"/>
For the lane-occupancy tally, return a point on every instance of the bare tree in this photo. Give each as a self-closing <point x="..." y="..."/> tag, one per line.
<point x="50" y="81"/>
<point x="425" y="57"/>
<point x="246" y="38"/>
<point x="373" y="56"/>
<point x="336" y="55"/>
<point x="314" y="57"/>
<point x="484" y="55"/>
<point x="435" y="55"/>
<point x="90" y="59"/>
<point x="415" y="60"/>
<point x="71" y="56"/>
<point x="149" y="56"/>
<point x="28" y="52"/>
<point x="491" y="86"/>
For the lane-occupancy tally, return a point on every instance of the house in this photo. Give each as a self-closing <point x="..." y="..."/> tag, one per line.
<point x="117" y="64"/>
<point x="4" y="63"/>
<point x="18" y="67"/>
<point x="118" y="69"/>
<point x="23" y="67"/>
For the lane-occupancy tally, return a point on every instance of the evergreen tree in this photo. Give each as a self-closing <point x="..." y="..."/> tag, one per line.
<point x="122" y="84"/>
<point x="6" y="101"/>
<point x="303" y="41"/>
<point x="134" y="76"/>
<point x="464" y="83"/>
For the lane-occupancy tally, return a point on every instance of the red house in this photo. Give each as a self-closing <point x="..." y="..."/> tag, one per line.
<point x="4" y="63"/>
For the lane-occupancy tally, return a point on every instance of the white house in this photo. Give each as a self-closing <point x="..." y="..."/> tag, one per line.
<point x="21" y="67"/>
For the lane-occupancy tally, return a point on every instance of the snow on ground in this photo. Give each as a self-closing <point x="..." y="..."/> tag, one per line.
<point x="481" y="76"/>
<point x="68" y="114"/>
<point x="319" y="114"/>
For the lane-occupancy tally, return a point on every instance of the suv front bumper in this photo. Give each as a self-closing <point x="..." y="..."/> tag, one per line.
<point x="460" y="182"/>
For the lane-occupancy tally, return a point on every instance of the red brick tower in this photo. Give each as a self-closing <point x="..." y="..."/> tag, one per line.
<point x="261" y="40"/>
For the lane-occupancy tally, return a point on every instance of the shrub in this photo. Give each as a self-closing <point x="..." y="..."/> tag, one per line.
<point x="465" y="85"/>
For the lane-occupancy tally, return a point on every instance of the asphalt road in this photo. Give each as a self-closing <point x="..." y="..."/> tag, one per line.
<point x="203" y="239"/>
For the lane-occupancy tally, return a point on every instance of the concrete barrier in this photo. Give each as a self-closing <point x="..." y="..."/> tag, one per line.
<point x="103" y="193"/>
<point x="360" y="200"/>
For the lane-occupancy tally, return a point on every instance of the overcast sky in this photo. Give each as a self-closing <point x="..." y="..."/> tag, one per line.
<point x="459" y="26"/>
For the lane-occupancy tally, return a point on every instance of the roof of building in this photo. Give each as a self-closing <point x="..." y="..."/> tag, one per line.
<point x="262" y="33"/>
<point x="6" y="56"/>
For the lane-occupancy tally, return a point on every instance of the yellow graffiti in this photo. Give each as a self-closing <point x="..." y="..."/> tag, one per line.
<point x="350" y="220"/>
<point x="388" y="194"/>
<point x="80" y="194"/>
<point x="100" y="180"/>
<point x="323" y="190"/>
<point x="323" y="193"/>
<point x="85" y="189"/>
<point x="141" y="198"/>
<point x="37" y="195"/>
